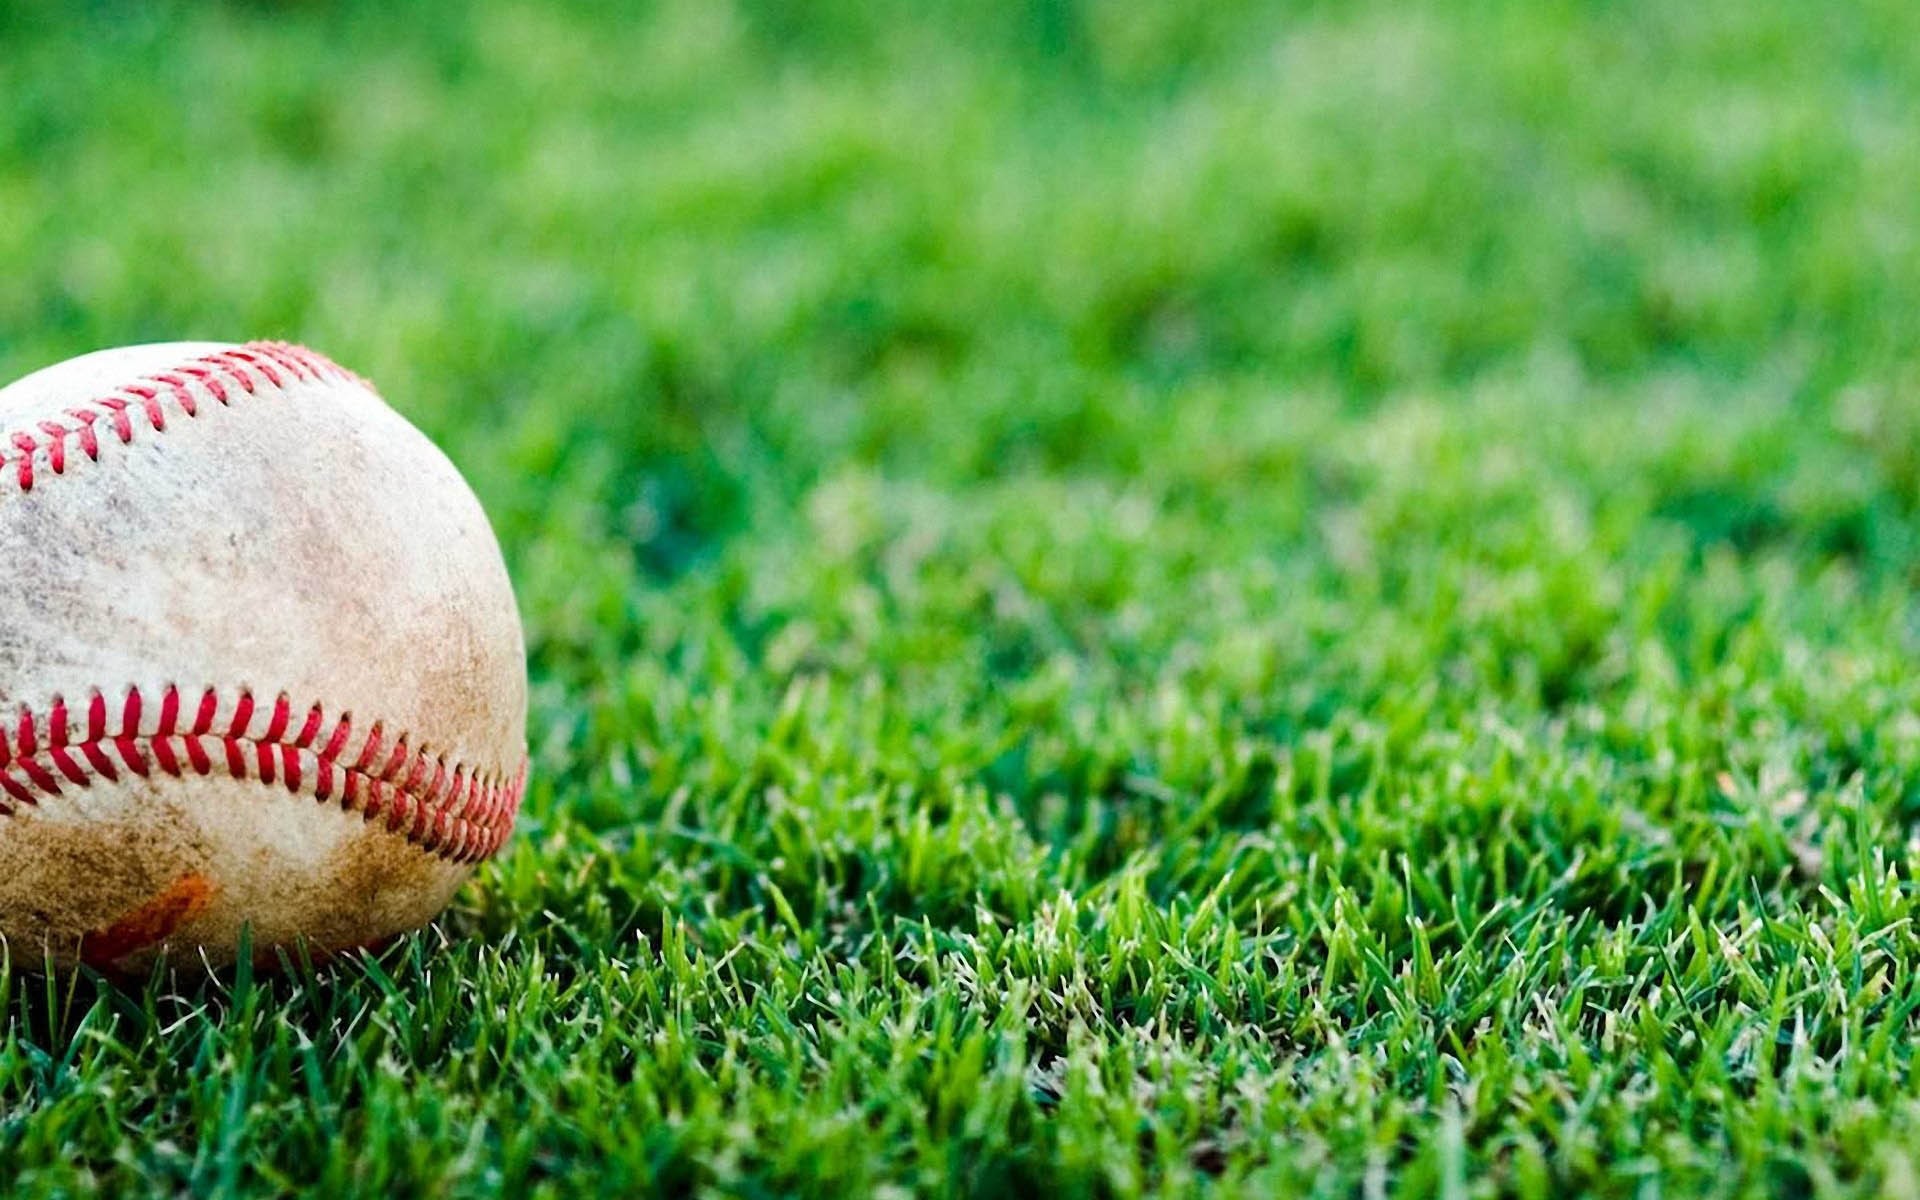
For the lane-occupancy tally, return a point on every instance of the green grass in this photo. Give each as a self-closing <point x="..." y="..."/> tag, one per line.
<point x="1124" y="599"/>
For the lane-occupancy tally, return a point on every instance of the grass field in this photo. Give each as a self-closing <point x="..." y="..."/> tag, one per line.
<point x="1124" y="599"/>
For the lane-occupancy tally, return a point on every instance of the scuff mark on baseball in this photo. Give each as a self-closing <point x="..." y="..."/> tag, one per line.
<point x="260" y="663"/>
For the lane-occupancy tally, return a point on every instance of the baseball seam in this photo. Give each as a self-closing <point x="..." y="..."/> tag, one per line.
<point x="222" y="377"/>
<point x="453" y="811"/>
<point x="449" y="810"/>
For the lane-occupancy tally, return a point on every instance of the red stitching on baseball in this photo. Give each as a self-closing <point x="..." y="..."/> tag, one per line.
<point x="40" y="755"/>
<point x="45" y="446"/>
<point x="382" y="775"/>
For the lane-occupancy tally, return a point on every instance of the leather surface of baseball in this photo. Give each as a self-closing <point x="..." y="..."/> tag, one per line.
<point x="260" y="661"/>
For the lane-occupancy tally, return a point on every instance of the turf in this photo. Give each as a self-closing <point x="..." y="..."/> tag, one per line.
<point x="1123" y="599"/>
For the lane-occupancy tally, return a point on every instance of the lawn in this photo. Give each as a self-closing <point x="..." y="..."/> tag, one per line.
<point x="1123" y="599"/>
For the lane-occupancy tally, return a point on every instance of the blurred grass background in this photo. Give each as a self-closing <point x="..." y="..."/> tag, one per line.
<point x="1123" y="598"/>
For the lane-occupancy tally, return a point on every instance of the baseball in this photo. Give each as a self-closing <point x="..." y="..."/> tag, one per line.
<point x="260" y="663"/>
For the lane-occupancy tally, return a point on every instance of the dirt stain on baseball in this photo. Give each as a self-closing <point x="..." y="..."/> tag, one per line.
<point x="151" y="923"/>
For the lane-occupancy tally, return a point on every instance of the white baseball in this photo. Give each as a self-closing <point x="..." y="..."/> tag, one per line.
<point x="260" y="663"/>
